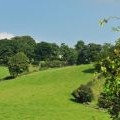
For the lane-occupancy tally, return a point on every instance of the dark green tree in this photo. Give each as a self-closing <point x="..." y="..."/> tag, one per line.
<point x="69" y="55"/>
<point x="80" y="45"/>
<point x="24" y="44"/>
<point x="17" y="44"/>
<point x="89" y="53"/>
<point x="46" y="51"/>
<point x="18" y="64"/>
<point x="83" y="56"/>
<point x="6" y="50"/>
<point x="72" y="59"/>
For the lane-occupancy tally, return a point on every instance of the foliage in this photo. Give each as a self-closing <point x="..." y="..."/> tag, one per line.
<point x="97" y="67"/>
<point x="110" y="68"/>
<point x="80" y="45"/>
<point x="18" y="64"/>
<point x="9" y="48"/>
<point x="6" y="51"/>
<point x="52" y="64"/>
<point x="103" y="21"/>
<point x="104" y="101"/>
<point x="72" y="58"/>
<point x="24" y="44"/>
<point x="89" y="53"/>
<point x="83" y="94"/>
<point x="46" y="51"/>
<point x="69" y="55"/>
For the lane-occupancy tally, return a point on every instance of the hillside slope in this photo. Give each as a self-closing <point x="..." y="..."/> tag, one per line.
<point x="46" y="95"/>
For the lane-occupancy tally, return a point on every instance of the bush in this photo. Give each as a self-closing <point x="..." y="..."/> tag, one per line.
<point x="36" y="63"/>
<point x="52" y="64"/>
<point x="97" y="67"/>
<point x="83" y="94"/>
<point x="103" y="101"/>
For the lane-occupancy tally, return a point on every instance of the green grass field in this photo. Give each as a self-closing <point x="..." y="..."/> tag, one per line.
<point x="3" y="72"/>
<point x="46" y="95"/>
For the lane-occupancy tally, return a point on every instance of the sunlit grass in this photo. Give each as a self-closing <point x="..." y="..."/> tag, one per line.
<point x="46" y="95"/>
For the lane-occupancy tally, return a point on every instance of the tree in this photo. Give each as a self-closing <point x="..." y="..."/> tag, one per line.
<point x="106" y="50"/>
<point x="64" y="52"/>
<point x="72" y="58"/>
<point x="80" y="44"/>
<point x="69" y="55"/>
<point x="24" y="44"/>
<point x="6" y="50"/>
<point x="18" y="64"/>
<point x="83" y="56"/>
<point x="89" y="53"/>
<point x="46" y="51"/>
<point x="110" y="68"/>
<point x="17" y="44"/>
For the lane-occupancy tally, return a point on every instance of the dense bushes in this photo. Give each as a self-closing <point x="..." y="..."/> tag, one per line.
<point x="97" y="67"/>
<point x="52" y="64"/>
<point x="103" y="101"/>
<point x="83" y="94"/>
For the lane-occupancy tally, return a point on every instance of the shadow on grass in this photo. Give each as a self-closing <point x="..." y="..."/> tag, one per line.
<point x="90" y="70"/>
<point x="77" y="102"/>
<point x="7" y="78"/>
<point x="74" y="100"/>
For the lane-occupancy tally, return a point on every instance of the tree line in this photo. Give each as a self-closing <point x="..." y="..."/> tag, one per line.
<point x="44" y="51"/>
<point x="24" y="48"/>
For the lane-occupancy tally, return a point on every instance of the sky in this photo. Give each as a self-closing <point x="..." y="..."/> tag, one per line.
<point x="59" y="21"/>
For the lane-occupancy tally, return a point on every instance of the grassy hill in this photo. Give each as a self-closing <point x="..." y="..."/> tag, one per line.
<point x="3" y="72"/>
<point x="46" y="95"/>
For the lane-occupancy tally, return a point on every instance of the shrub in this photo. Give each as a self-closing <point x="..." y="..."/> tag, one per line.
<point x="103" y="101"/>
<point x="97" y="67"/>
<point x="52" y="64"/>
<point x="36" y="63"/>
<point x="83" y="94"/>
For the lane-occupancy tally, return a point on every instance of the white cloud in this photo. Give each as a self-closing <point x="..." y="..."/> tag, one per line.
<point x="4" y="35"/>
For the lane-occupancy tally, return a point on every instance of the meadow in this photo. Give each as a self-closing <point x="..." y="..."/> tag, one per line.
<point x="46" y="95"/>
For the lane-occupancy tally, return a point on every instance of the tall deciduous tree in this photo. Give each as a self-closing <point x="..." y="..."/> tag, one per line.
<point x="69" y="55"/>
<point x="89" y="53"/>
<point x="24" y="44"/>
<point x="46" y="51"/>
<point x="80" y="45"/>
<point x="17" y="44"/>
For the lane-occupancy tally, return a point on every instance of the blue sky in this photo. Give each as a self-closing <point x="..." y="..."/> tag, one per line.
<point x="59" y="20"/>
